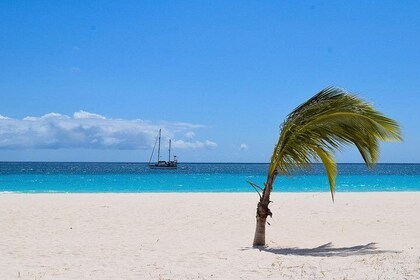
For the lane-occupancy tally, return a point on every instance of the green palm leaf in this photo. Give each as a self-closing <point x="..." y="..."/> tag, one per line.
<point x="327" y="122"/>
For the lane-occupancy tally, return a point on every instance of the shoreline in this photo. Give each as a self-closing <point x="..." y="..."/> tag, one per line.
<point x="212" y="192"/>
<point x="209" y="236"/>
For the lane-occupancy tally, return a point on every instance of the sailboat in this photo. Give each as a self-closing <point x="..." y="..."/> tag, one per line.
<point x="162" y="164"/>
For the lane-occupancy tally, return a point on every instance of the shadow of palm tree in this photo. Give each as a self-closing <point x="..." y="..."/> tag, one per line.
<point x="327" y="250"/>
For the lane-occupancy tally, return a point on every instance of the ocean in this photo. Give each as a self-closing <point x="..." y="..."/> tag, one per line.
<point x="82" y="177"/>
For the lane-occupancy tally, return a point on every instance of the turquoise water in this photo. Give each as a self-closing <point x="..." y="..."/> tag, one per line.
<point x="36" y="177"/>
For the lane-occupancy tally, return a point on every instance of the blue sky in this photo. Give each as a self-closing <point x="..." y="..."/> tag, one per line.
<point x="217" y="76"/>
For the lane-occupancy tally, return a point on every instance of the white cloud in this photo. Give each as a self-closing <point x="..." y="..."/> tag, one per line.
<point x="181" y="144"/>
<point x="210" y="145"/>
<point x="190" y="135"/>
<point x="54" y="116"/>
<point x="86" y="115"/>
<point x="243" y="147"/>
<point x="94" y="131"/>
<point x="46" y="116"/>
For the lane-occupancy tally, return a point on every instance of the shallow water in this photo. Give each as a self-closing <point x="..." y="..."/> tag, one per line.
<point x="40" y="177"/>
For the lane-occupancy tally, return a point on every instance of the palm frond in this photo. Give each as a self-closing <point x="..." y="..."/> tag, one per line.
<point x="327" y="122"/>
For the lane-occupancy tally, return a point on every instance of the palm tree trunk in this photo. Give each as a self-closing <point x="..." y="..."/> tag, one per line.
<point x="263" y="212"/>
<point x="259" y="237"/>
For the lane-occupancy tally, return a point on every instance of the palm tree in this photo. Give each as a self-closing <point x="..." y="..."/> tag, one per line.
<point x="328" y="121"/>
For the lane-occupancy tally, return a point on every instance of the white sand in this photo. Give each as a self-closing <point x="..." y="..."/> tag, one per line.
<point x="208" y="236"/>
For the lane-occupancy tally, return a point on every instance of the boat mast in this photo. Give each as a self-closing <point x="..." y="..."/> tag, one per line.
<point x="153" y="151"/>
<point x="169" y="150"/>
<point x="159" y="145"/>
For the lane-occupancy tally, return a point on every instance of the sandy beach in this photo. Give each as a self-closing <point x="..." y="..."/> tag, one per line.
<point x="209" y="236"/>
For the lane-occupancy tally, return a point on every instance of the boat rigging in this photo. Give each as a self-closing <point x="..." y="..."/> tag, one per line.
<point x="162" y="164"/>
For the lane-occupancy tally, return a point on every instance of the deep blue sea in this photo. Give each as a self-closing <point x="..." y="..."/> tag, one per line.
<point x="47" y="177"/>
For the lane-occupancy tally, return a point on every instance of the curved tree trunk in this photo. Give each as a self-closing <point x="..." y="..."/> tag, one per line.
<point x="263" y="212"/>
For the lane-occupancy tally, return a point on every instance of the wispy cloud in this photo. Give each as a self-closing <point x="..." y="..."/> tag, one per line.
<point x="194" y="145"/>
<point x="190" y="134"/>
<point x="94" y="131"/>
<point x="86" y="115"/>
<point x="243" y="147"/>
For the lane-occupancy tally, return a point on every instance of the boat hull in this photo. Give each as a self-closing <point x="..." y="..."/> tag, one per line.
<point x="162" y="167"/>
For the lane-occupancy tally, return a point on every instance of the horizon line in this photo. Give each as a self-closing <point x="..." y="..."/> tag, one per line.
<point x="186" y="162"/>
